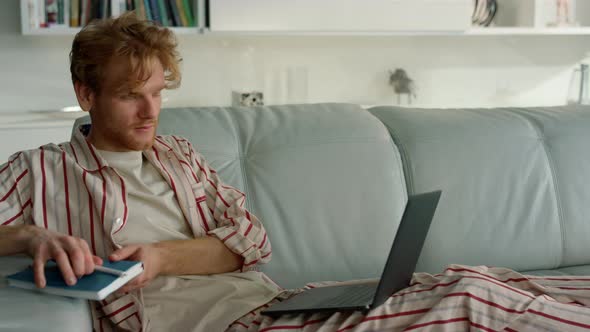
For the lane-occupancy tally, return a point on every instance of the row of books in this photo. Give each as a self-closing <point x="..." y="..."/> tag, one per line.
<point x="77" y="13"/>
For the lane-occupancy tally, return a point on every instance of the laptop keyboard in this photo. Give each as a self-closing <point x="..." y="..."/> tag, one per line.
<point x="352" y="295"/>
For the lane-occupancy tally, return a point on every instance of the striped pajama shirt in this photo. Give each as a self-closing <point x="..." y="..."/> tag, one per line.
<point x="70" y="189"/>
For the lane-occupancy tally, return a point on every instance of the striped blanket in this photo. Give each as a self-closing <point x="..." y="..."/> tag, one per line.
<point x="463" y="298"/>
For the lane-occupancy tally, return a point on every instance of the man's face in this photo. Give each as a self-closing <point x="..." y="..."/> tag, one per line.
<point x="126" y="120"/>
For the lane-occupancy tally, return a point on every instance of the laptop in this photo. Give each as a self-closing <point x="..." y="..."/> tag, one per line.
<point x="397" y="273"/>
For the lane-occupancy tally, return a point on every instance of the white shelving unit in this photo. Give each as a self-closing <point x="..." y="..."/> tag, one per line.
<point x="228" y="18"/>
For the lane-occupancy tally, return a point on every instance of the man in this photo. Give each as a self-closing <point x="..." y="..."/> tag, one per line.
<point x="117" y="191"/>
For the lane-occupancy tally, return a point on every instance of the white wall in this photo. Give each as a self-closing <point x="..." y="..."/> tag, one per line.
<point x="450" y="71"/>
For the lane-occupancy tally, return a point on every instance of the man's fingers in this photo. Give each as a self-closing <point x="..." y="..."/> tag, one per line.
<point x="77" y="258"/>
<point x="88" y="259"/>
<point x="97" y="260"/>
<point x="39" y="270"/>
<point x="122" y="253"/>
<point x="63" y="263"/>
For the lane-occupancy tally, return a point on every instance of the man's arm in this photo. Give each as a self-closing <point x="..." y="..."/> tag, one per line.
<point x="72" y="255"/>
<point x="19" y="236"/>
<point x="240" y="231"/>
<point x="14" y="239"/>
<point x="201" y="256"/>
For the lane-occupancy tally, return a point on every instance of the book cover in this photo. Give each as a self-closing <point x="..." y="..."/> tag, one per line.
<point x="155" y="11"/>
<point x="189" y="13"/>
<point x="175" y="13"/>
<point x="181" y="13"/>
<point x="95" y="286"/>
<point x="75" y="13"/>
<point x="163" y="13"/>
<point x="148" y="11"/>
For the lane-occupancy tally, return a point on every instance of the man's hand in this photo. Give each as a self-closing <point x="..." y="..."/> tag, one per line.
<point x="72" y="255"/>
<point x="149" y="255"/>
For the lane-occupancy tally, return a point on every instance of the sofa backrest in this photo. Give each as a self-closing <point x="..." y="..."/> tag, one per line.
<point x="325" y="179"/>
<point x="515" y="183"/>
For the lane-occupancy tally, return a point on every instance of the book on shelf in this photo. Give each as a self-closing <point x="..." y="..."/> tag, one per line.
<point x="95" y="286"/>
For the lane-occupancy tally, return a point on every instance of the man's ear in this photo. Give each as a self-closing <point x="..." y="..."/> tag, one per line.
<point x="85" y="96"/>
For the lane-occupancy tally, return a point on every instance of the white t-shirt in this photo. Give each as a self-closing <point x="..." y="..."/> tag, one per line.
<point x="154" y="213"/>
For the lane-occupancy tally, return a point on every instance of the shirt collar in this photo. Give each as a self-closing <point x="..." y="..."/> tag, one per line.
<point x="87" y="156"/>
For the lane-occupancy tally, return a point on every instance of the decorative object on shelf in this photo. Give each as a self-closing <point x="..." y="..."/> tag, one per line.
<point x="484" y="12"/>
<point x="563" y="14"/>
<point x="253" y="98"/>
<point x="579" y="88"/>
<point x="402" y="84"/>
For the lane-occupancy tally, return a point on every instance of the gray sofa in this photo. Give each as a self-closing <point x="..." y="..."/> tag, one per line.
<point x="330" y="182"/>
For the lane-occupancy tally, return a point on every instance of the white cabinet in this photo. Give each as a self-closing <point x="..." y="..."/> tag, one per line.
<point x="339" y="15"/>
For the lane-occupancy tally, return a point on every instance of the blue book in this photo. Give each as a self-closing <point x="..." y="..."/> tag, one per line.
<point x="95" y="286"/>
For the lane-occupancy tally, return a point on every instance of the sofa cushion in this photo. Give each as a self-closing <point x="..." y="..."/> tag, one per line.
<point x="499" y="205"/>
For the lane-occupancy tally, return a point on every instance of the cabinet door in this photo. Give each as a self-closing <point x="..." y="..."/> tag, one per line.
<point x="340" y="15"/>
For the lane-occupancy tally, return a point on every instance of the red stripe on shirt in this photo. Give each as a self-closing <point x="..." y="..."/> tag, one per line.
<point x="159" y="139"/>
<point x="98" y="164"/>
<point x="13" y="188"/>
<point x="381" y="317"/>
<point x="223" y="200"/>
<point x="165" y="170"/>
<point x="126" y="318"/>
<point x="233" y="222"/>
<point x="239" y="323"/>
<point x="251" y="263"/>
<point x="10" y="162"/>
<point x="517" y="279"/>
<point x="263" y="241"/>
<point x="446" y="321"/>
<point x="67" y="192"/>
<point x="104" y="197"/>
<point x="90" y="213"/>
<point x="124" y="198"/>
<point x="18" y="214"/>
<point x="249" y="229"/>
<point x="179" y="140"/>
<point x="104" y="184"/>
<point x="74" y="152"/>
<point x="43" y="187"/>
<point x="229" y="236"/>
<point x="191" y="169"/>
<point x="565" y="321"/>
<point x="203" y="217"/>
<point x="465" y="277"/>
<point x="484" y="301"/>
<point x="120" y="309"/>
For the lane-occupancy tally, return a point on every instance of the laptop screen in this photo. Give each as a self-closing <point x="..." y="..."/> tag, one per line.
<point x="407" y="245"/>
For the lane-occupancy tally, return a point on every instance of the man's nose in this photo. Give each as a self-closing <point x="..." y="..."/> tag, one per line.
<point x="150" y="107"/>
